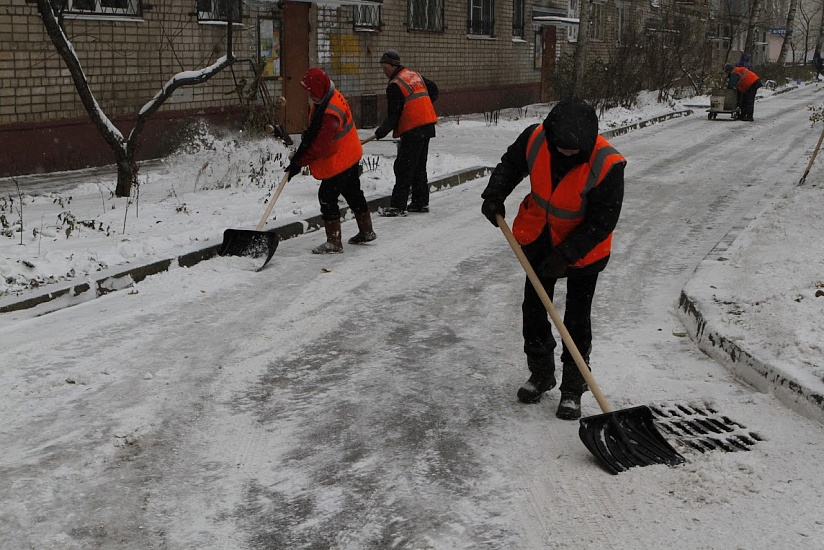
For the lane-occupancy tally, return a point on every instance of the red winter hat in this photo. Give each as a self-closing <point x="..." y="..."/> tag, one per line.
<point x="316" y="82"/>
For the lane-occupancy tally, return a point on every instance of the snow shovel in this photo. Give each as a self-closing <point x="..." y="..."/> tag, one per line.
<point x="373" y="137"/>
<point x="618" y="439"/>
<point x="257" y="243"/>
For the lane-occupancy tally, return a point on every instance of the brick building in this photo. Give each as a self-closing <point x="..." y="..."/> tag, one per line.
<point x="484" y="55"/>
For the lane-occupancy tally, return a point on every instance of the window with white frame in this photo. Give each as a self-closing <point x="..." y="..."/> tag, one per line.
<point x="481" y="20"/>
<point x="574" y="12"/>
<point x="518" y="21"/>
<point x="101" y="7"/>
<point x="219" y="10"/>
<point x="425" y="15"/>
<point x="367" y="16"/>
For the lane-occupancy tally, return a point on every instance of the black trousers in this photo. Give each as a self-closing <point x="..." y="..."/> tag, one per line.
<point x="347" y="183"/>
<point x="410" y="172"/>
<point x="747" y="100"/>
<point x="539" y="343"/>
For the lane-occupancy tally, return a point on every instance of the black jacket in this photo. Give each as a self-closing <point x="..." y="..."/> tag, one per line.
<point x="603" y="206"/>
<point x="394" y="99"/>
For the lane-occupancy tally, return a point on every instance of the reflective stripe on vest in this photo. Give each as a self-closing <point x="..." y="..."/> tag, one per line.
<point x="345" y="149"/>
<point x="417" y="107"/>
<point x="564" y="207"/>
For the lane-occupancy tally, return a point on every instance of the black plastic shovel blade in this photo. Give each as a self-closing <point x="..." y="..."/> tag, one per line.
<point x="627" y="438"/>
<point x="246" y="242"/>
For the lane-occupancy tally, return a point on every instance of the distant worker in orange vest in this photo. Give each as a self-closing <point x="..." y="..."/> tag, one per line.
<point x="747" y="83"/>
<point x="411" y="117"/>
<point x="330" y="147"/>
<point x="564" y="226"/>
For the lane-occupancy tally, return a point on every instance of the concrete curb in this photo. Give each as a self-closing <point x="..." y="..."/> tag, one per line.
<point x="806" y="397"/>
<point x="100" y="283"/>
<point x="796" y="394"/>
<point x="609" y="134"/>
<point x="56" y="297"/>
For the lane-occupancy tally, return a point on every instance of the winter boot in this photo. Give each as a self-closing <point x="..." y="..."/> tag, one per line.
<point x="541" y="380"/>
<point x="569" y="407"/>
<point x="391" y="212"/>
<point x="365" y="232"/>
<point x="332" y="244"/>
<point x="573" y="386"/>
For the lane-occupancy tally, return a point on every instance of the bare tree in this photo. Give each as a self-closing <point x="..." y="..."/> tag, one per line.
<point x="804" y="23"/>
<point x="788" y="34"/>
<point x="819" y="43"/>
<point x="124" y="148"/>
<point x="580" y="56"/>
<point x="752" y="23"/>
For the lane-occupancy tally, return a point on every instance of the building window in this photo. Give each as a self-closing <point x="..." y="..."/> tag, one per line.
<point x="425" y="15"/>
<point x="518" y="7"/>
<point x="102" y="7"/>
<point x="596" y="25"/>
<point x="218" y="10"/>
<point x="574" y="12"/>
<point x="367" y="17"/>
<point x="481" y="20"/>
<point x="620" y="16"/>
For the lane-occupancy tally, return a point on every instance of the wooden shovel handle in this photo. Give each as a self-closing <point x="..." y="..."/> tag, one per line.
<point x="559" y="323"/>
<point x="812" y="158"/>
<point x="272" y="201"/>
<point x="373" y="137"/>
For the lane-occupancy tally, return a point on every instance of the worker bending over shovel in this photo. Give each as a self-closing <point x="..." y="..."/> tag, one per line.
<point x="564" y="226"/>
<point x="330" y="147"/>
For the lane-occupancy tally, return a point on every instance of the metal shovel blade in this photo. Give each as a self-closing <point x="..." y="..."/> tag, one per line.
<point x="247" y="242"/>
<point x="623" y="439"/>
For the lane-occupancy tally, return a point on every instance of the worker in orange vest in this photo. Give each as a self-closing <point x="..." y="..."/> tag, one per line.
<point x="565" y="227"/>
<point x="747" y="83"/>
<point x="411" y="117"/>
<point x="330" y="147"/>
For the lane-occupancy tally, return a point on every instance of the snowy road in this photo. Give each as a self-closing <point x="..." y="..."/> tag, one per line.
<point x="367" y="400"/>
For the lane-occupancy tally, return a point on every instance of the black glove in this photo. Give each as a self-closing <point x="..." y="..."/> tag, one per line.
<point x="492" y="207"/>
<point x="293" y="170"/>
<point x="553" y="266"/>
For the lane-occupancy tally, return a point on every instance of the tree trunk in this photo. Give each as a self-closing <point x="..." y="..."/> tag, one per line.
<point x="819" y="43"/>
<point x="749" y="44"/>
<point x="580" y="56"/>
<point x="788" y="35"/>
<point x="125" y="150"/>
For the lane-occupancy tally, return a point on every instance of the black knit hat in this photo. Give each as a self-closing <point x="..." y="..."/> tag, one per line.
<point x="572" y="124"/>
<point x="391" y="57"/>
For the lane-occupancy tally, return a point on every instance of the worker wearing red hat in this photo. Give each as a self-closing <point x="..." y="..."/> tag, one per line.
<point x="330" y="147"/>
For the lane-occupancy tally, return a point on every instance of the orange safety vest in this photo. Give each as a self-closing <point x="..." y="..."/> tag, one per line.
<point x="746" y="78"/>
<point x="417" y="107"/>
<point x="346" y="148"/>
<point x="565" y="206"/>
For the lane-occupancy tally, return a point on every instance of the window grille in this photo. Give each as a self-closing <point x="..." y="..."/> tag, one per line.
<point x="518" y="23"/>
<point x="367" y="17"/>
<point x="218" y="10"/>
<point x="425" y="15"/>
<point x="481" y="20"/>
<point x="101" y="7"/>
